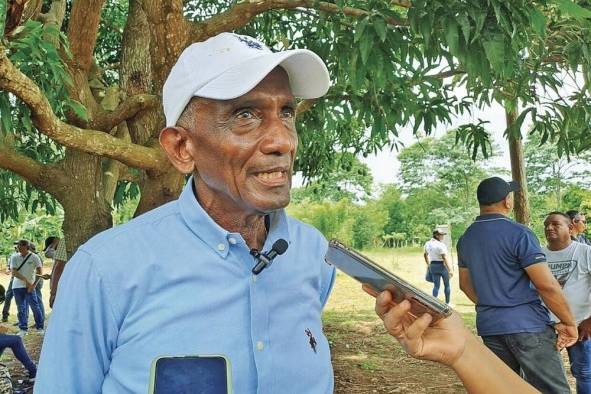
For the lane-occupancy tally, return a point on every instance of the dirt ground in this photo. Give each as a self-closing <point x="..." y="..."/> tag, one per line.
<point x="365" y="358"/>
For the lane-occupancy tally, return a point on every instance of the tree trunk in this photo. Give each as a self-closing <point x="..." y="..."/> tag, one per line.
<point x="158" y="190"/>
<point x="86" y="211"/>
<point x="518" y="172"/>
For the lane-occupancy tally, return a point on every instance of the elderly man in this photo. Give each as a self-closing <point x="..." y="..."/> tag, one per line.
<point x="504" y="272"/>
<point x="570" y="263"/>
<point x="177" y="280"/>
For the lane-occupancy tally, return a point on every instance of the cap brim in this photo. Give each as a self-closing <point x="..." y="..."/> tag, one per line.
<point x="514" y="186"/>
<point x="308" y="76"/>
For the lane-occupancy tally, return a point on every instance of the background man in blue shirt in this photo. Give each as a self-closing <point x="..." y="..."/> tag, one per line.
<point x="504" y="272"/>
<point x="177" y="280"/>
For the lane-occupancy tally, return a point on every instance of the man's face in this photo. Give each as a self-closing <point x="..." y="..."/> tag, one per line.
<point x="557" y="229"/>
<point x="580" y="223"/>
<point x="22" y="249"/>
<point x="244" y="149"/>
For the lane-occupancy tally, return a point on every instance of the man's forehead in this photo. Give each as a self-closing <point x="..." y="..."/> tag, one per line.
<point x="555" y="218"/>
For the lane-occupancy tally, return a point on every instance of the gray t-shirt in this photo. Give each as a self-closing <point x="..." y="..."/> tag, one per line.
<point x="571" y="266"/>
<point x="27" y="270"/>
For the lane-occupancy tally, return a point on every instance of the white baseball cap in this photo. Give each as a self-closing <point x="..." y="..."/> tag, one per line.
<point x="229" y="65"/>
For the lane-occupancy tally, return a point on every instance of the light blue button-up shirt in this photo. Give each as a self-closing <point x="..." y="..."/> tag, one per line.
<point x="173" y="282"/>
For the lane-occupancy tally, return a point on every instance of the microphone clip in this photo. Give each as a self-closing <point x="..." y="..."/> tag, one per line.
<point x="263" y="261"/>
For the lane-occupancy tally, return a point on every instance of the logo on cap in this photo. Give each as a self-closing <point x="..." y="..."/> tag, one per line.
<point x="250" y="43"/>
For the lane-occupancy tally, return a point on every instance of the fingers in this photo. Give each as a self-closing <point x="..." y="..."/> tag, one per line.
<point x="383" y="303"/>
<point x="395" y="317"/>
<point x="417" y="329"/>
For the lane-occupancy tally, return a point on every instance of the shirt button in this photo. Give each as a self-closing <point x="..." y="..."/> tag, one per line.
<point x="260" y="345"/>
<point x="232" y="241"/>
<point x="221" y="247"/>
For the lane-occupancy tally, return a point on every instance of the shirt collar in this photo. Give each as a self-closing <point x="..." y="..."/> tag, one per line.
<point x="489" y="216"/>
<point x="218" y="238"/>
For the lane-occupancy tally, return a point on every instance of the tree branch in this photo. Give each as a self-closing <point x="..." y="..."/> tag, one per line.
<point x="82" y="31"/>
<point x="126" y="110"/>
<point x="90" y="141"/>
<point x="21" y="165"/>
<point x="305" y="105"/>
<point x="242" y="13"/>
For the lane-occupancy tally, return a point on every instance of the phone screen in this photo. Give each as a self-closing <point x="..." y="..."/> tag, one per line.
<point x="191" y="375"/>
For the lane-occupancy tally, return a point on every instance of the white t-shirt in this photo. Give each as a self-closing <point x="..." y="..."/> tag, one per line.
<point x="27" y="270"/>
<point x="435" y="249"/>
<point x="571" y="266"/>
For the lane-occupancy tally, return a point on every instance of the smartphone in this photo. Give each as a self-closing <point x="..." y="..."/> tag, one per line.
<point x="202" y="374"/>
<point x="376" y="279"/>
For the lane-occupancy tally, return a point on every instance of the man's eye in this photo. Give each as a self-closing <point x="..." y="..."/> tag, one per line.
<point x="245" y="114"/>
<point x="289" y="113"/>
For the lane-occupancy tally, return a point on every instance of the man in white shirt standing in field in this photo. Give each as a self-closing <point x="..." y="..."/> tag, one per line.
<point x="438" y="264"/>
<point x="24" y="266"/>
<point x="570" y="263"/>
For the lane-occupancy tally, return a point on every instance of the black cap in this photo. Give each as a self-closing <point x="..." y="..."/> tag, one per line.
<point x="492" y="190"/>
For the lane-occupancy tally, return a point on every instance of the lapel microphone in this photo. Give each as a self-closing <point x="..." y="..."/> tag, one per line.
<point x="265" y="259"/>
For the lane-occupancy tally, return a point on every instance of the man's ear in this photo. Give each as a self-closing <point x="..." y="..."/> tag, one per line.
<point x="177" y="144"/>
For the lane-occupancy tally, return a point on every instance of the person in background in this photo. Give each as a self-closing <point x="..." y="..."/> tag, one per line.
<point x="438" y="263"/>
<point x="15" y="343"/>
<point x="24" y="266"/>
<point x="55" y="248"/>
<point x="570" y="263"/>
<point x="9" y="293"/>
<point x="504" y="272"/>
<point x="39" y="281"/>
<point x="579" y="226"/>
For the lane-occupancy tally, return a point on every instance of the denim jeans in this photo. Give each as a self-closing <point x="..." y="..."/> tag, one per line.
<point x="580" y="365"/>
<point x="40" y="297"/>
<point x="23" y="300"/>
<point x="438" y="271"/>
<point x="534" y="356"/>
<point x="7" y="301"/>
<point x="15" y="343"/>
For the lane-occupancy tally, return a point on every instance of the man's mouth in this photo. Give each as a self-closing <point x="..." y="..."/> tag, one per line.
<point x="273" y="177"/>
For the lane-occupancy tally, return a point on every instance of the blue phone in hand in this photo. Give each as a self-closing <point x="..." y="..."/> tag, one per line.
<point x="203" y="374"/>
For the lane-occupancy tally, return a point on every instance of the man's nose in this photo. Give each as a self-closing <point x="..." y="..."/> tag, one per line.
<point x="280" y="137"/>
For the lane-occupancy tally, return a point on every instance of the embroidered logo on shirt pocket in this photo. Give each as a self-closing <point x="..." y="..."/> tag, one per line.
<point x="312" y="340"/>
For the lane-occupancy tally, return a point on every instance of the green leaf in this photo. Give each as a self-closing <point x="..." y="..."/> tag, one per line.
<point x="380" y="28"/>
<point x="365" y="47"/>
<point x="359" y="29"/>
<point x="572" y="9"/>
<point x="452" y="37"/>
<point x="538" y="21"/>
<point x="464" y="22"/>
<point x="495" y="52"/>
<point x="78" y="109"/>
